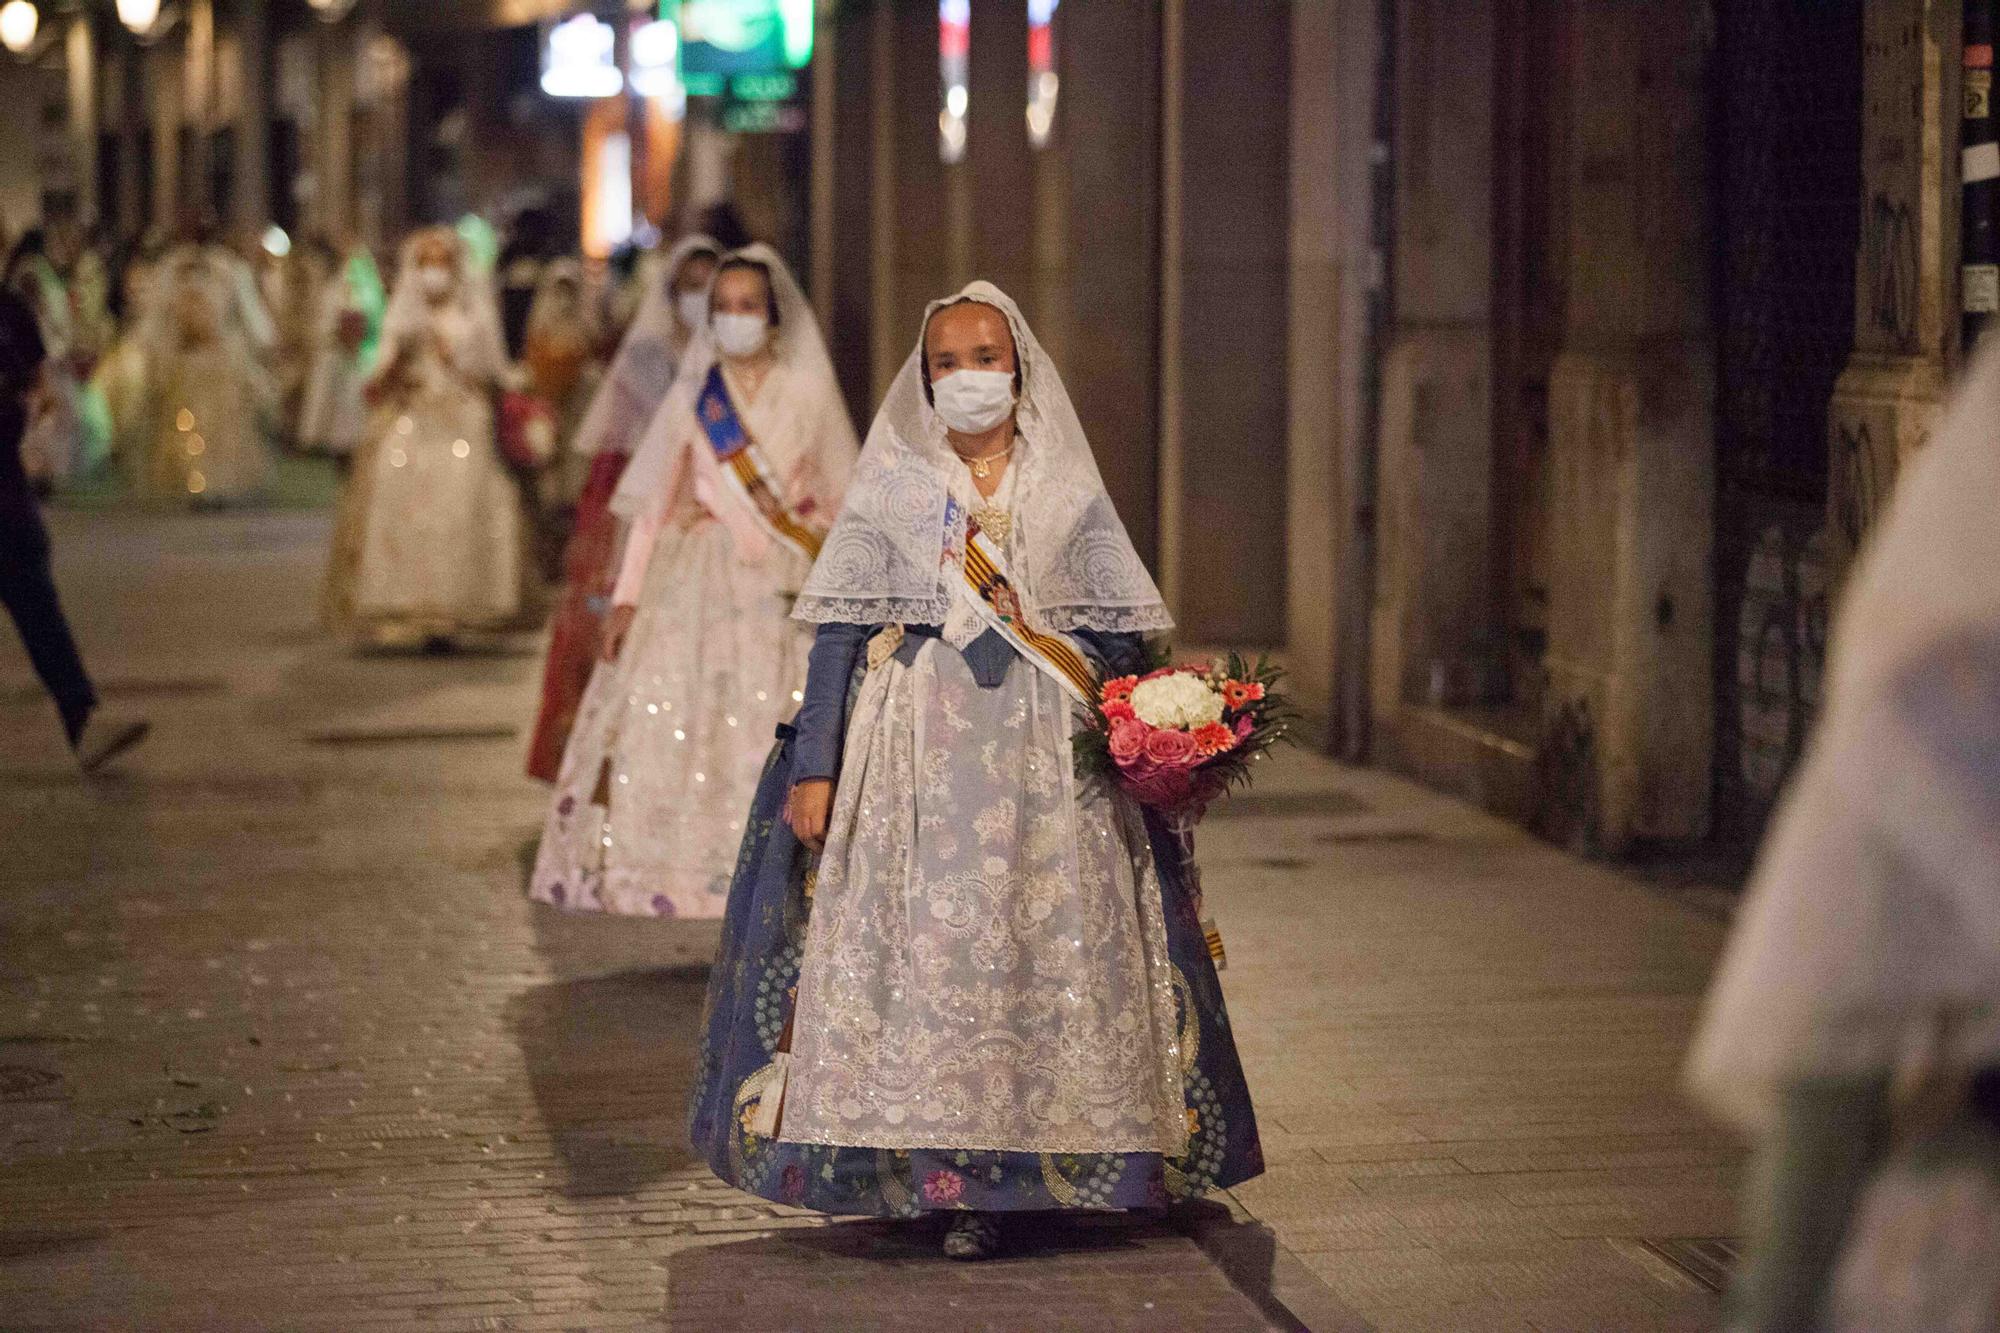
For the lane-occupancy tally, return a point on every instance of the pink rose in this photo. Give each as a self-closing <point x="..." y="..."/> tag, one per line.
<point x="1173" y="749"/>
<point x="1128" y="740"/>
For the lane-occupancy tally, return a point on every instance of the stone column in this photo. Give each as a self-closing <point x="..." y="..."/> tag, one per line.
<point x="1333" y="86"/>
<point x="132" y="118"/>
<point x="1905" y="291"/>
<point x="1433" y="600"/>
<point x="333" y="144"/>
<point x="163" y="104"/>
<point x="80" y="59"/>
<point x="886" y="346"/>
<point x="1232" y="221"/>
<point x="999" y="168"/>
<point x="820" y="209"/>
<point x="198" y="112"/>
<point x="1628" y="735"/>
<point x="1097" y="251"/>
<point x="251" y="208"/>
<point x="1172" y="521"/>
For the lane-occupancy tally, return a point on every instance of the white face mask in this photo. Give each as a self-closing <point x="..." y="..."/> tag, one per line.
<point x="692" y="307"/>
<point x="741" y="335"/>
<point x="973" y="402"/>
<point x="435" y="279"/>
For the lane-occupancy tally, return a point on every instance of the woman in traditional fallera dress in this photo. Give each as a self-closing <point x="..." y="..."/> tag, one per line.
<point x="1854" y="1026"/>
<point x="740" y="470"/>
<point x="333" y="419"/>
<point x="429" y="543"/>
<point x="199" y="429"/>
<point x="673" y="311"/>
<point x="989" y="992"/>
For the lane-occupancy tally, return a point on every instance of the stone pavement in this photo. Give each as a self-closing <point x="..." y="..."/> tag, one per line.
<point x="283" y="1046"/>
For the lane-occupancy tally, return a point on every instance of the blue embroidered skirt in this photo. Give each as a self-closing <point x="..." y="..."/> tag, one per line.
<point x="750" y="996"/>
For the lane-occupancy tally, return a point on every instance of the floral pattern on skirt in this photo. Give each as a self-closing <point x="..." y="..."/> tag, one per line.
<point x="750" y="998"/>
<point x="649" y="804"/>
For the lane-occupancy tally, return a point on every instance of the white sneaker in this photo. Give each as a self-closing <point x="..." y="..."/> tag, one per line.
<point x="105" y="738"/>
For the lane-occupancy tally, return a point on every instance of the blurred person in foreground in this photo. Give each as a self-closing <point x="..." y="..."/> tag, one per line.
<point x="1854" y="1027"/>
<point x="26" y="584"/>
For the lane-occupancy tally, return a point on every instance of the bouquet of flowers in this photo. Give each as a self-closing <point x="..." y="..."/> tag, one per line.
<point x="527" y="431"/>
<point x="1179" y="737"/>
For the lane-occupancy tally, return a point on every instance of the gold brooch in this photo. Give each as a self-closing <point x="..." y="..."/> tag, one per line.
<point x="995" y="522"/>
<point x="884" y="645"/>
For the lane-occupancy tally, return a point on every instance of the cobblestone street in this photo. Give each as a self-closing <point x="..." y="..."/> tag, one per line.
<point x="283" y="1045"/>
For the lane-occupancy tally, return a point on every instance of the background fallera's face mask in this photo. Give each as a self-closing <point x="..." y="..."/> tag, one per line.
<point x="741" y="335"/>
<point x="972" y="402"/>
<point x="692" y="307"/>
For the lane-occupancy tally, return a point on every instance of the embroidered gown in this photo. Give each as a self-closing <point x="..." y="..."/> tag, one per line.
<point x="430" y="538"/>
<point x="199" y="430"/>
<point x="670" y="738"/>
<point x="990" y="990"/>
<point x="631" y="392"/>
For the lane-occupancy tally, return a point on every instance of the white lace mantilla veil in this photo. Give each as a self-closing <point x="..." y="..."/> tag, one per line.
<point x="542" y="309"/>
<point x="642" y="370"/>
<point x="1069" y="554"/>
<point x="797" y="350"/>
<point x="1875" y="909"/>
<point x="473" y="302"/>
<point x="155" y="326"/>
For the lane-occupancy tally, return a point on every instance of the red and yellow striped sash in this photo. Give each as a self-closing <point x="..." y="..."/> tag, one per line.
<point x="1052" y="652"/>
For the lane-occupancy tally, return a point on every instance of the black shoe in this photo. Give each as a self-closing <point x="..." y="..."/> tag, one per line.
<point x="104" y="739"/>
<point x="972" y="1237"/>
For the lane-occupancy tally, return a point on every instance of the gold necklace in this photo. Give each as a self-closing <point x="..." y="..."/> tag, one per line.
<point x="982" y="468"/>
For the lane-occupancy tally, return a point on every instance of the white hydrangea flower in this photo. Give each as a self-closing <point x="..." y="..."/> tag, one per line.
<point x="1181" y="702"/>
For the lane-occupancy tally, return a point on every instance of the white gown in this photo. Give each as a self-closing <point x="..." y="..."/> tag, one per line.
<point x="671" y="738"/>
<point x="434" y="541"/>
<point x="987" y="966"/>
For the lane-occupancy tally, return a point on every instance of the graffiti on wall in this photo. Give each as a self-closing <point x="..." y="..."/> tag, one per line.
<point x="1889" y="267"/>
<point x="1780" y="655"/>
<point x="1856" y="480"/>
<point x="1566" y="764"/>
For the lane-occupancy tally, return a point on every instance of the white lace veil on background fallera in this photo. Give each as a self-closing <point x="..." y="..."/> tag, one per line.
<point x="643" y="369"/>
<point x="235" y="318"/>
<point x="1068" y="551"/>
<point x="473" y="305"/>
<point x="547" y="309"/>
<point x="797" y="350"/>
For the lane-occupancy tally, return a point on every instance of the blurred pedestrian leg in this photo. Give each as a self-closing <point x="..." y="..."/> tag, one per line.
<point x="27" y="584"/>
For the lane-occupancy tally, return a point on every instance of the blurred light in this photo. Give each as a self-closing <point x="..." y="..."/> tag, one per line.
<point x="609" y="207"/>
<point x="656" y="65"/>
<point x="331" y="11"/>
<point x="276" y="243"/>
<point x="797" y="16"/>
<point x="578" y="60"/>
<point x="1042" y="81"/>
<point x="139" y="15"/>
<point x="954" y="67"/>
<point x="19" y="22"/>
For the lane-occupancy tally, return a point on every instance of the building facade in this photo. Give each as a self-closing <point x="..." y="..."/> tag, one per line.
<point x="1524" y="372"/>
